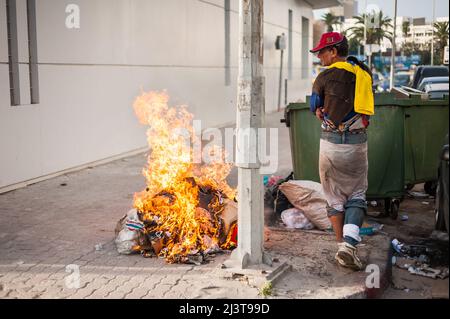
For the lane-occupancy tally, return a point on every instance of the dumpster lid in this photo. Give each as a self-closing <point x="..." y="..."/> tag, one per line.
<point x="297" y="106"/>
<point x="407" y="98"/>
<point x="388" y="99"/>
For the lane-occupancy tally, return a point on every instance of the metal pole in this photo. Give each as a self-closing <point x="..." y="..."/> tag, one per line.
<point x="251" y="99"/>
<point x="365" y="27"/>
<point x="394" y="47"/>
<point x="432" y="35"/>
<point x="280" y="85"/>
<point x="285" y="92"/>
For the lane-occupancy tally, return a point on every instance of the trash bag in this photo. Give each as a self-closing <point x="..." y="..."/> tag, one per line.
<point x="127" y="232"/>
<point x="275" y="198"/>
<point x="308" y="197"/>
<point x="295" y="218"/>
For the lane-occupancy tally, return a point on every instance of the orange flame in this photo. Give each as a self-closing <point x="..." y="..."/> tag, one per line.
<point x="170" y="204"/>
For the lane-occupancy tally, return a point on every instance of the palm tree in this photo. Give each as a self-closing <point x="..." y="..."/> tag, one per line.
<point x="374" y="34"/>
<point x="405" y="28"/>
<point x="384" y="24"/>
<point x="330" y="20"/>
<point x="358" y="30"/>
<point x="441" y="36"/>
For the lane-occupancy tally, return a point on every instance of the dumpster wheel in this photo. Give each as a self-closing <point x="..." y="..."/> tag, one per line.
<point x="391" y="207"/>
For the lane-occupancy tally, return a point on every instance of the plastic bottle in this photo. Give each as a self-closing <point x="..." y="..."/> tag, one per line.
<point x="366" y="231"/>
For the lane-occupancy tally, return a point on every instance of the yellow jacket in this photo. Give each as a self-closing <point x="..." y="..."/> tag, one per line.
<point x="364" y="101"/>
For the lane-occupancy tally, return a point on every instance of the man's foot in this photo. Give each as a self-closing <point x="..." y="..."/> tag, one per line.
<point x="347" y="257"/>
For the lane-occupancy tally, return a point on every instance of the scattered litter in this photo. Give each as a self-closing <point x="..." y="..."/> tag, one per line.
<point x="397" y="245"/>
<point x="374" y="203"/>
<point x="229" y="216"/>
<point x="406" y="289"/>
<point x="426" y="271"/>
<point x="157" y="244"/>
<point x="444" y="274"/>
<point x="213" y="247"/>
<point x="126" y="234"/>
<point x="275" y="198"/>
<point x="425" y="203"/>
<point x="272" y="180"/>
<point x="425" y="258"/>
<point x="375" y="225"/>
<point x="404" y="262"/>
<point x="196" y="259"/>
<point x="404" y="218"/>
<point x="134" y="225"/>
<point x="126" y="241"/>
<point x="364" y="231"/>
<point x="417" y="194"/>
<point x="295" y="218"/>
<point x="98" y="247"/>
<point x="63" y="184"/>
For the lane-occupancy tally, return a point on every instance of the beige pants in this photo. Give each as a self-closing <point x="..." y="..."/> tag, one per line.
<point x="343" y="172"/>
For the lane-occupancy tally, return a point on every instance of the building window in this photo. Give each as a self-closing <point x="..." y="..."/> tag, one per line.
<point x="290" y="48"/>
<point x="13" y="52"/>
<point x="32" y="50"/>
<point x="227" y="43"/>
<point x="305" y="48"/>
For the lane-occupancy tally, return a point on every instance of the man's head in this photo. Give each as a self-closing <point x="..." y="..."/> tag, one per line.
<point x="333" y="47"/>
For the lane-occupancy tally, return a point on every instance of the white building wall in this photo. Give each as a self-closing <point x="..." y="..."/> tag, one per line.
<point x="423" y="34"/>
<point x="90" y="76"/>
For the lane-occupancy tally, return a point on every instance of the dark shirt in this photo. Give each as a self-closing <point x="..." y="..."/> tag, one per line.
<point x="336" y="89"/>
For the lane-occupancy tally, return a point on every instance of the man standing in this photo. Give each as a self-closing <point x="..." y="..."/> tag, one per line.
<point x="342" y="99"/>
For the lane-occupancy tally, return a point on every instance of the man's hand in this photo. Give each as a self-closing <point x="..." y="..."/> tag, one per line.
<point x="319" y="113"/>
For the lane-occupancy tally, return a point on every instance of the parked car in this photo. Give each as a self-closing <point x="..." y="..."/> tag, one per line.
<point x="436" y="90"/>
<point x="442" y="196"/>
<point x="377" y="83"/>
<point x="401" y="79"/>
<point x="432" y="80"/>
<point x="383" y="86"/>
<point x="426" y="71"/>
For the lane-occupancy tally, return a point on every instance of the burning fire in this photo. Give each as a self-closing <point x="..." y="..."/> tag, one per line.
<point x="183" y="201"/>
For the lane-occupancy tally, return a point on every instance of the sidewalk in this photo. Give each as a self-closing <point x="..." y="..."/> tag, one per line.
<point x="70" y="220"/>
<point x="47" y="226"/>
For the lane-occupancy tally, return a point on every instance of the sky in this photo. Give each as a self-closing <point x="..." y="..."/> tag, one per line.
<point x="409" y="8"/>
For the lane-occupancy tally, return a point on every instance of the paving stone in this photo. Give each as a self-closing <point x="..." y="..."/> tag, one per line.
<point x="137" y="293"/>
<point x="158" y="291"/>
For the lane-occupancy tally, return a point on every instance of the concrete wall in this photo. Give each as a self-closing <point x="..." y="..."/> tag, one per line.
<point x="90" y="76"/>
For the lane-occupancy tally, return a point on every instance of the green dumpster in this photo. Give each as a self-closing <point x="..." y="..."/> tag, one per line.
<point x="397" y="151"/>
<point x="426" y="125"/>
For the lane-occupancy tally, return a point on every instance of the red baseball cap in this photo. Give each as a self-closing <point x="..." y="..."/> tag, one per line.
<point x="327" y="40"/>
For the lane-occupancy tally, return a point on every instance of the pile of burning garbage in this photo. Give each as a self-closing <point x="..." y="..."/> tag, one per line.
<point x="187" y="211"/>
